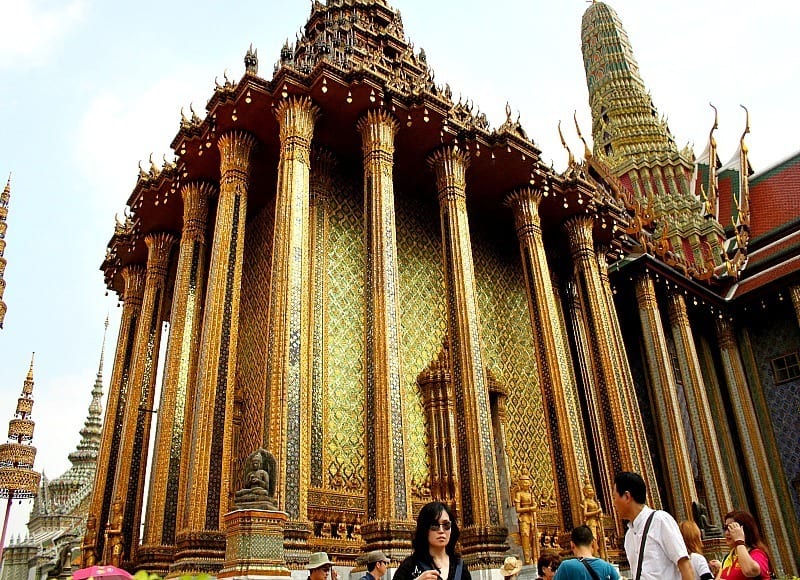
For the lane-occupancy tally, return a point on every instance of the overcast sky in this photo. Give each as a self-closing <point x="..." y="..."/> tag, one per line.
<point x="88" y="88"/>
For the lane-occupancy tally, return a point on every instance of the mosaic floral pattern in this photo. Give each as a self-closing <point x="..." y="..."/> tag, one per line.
<point x="345" y="346"/>
<point x="423" y="320"/>
<point x="510" y="354"/>
<point x="251" y="369"/>
<point x="773" y="336"/>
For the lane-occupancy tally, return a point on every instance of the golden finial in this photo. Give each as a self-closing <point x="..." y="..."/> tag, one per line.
<point x="743" y="204"/>
<point x="587" y="153"/>
<point x="711" y="197"/>
<point x="30" y="370"/>
<point x="746" y="128"/>
<point x="571" y="160"/>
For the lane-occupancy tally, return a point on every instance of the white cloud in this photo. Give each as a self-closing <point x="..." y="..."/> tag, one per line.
<point x="32" y="31"/>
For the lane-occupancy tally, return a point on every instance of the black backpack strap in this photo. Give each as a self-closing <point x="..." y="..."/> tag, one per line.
<point x="591" y="571"/>
<point x="644" y="541"/>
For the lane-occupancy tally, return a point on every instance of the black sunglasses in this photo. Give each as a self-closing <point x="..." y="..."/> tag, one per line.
<point x="435" y="526"/>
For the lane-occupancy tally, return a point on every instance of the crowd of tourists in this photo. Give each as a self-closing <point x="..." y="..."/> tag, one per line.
<point x="656" y="546"/>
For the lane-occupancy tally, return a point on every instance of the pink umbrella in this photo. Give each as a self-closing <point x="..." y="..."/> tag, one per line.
<point x="105" y="572"/>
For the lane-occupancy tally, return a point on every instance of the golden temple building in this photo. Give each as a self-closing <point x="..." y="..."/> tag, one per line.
<point x="402" y="303"/>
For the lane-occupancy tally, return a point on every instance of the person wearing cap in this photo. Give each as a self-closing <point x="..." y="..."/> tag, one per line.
<point x="377" y="565"/>
<point x="319" y="565"/>
<point x="510" y="568"/>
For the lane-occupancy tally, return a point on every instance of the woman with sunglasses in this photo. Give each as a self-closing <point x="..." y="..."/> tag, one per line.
<point x="749" y="557"/>
<point x="434" y="554"/>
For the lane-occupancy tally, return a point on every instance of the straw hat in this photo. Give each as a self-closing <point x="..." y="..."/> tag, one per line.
<point x="510" y="567"/>
<point x="318" y="559"/>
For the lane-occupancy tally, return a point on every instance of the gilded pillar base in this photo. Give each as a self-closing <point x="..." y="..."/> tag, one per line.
<point x="295" y="542"/>
<point x="254" y="544"/>
<point x="197" y="553"/>
<point x="155" y="559"/>
<point x="392" y="537"/>
<point x="484" y="547"/>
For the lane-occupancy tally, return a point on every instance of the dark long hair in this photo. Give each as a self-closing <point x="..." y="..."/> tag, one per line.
<point x="430" y="514"/>
<point x="752" y="534"/>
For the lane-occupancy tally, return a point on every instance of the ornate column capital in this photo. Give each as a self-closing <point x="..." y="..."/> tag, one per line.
<point x="725" y="334"/>
<point x="133" y="275"/>
<point x="296" y="117"/>
<point x="235" y="151"/>
<point x="579" y="233"/>
<point x="449" y="164"/>
<point x="678" y="315"/>
<point x="195" y="209"/>
<point x="646" y="292"/>
<point x="159" y="245"/>
<point x="524" y="203"/>
<point x="377" y="128"/>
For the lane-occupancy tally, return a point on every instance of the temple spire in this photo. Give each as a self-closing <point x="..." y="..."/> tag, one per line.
<point x="625" y="123"/>
<point x="18" y="480"/>
<point x="84" y="458"/>
<point x="5" y="197"/>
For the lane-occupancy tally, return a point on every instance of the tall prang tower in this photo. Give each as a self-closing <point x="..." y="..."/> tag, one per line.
<point x="636" y="144"/>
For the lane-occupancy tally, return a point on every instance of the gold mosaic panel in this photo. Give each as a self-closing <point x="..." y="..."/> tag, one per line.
<point x="251" y="377"/>
<point x="510" y="354"/>
<point x="423" y="320"/>
<point x="345" y="428"/>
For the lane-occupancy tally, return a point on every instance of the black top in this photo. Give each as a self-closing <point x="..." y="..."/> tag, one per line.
<point x="410" y="568"/>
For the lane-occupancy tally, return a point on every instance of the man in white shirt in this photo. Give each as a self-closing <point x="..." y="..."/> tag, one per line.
<point x="665" y="554"/>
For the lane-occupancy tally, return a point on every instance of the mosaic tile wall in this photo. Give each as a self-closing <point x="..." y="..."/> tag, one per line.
<point x="423" y="319"/>
<point x="344" y="431"/>
<point x="251" y="377"/>
<point x="774" y="334"/>
<point x="510" y="354"/>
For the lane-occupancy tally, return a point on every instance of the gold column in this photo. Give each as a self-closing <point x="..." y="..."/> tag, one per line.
<point x="482" y="515"/>
<point x="607" y="380"/>
<point x="115" y="404"/>
<point x="200" y="545"/>
<point x="290" y="311"/>
<point x="675" y="451"/>
<point x="135" y="437"/>
<point x="388" y="501"/>
<point x="557" y="384"/>
<point x="701" y="418"/>
<point x="170" y="457"/>
<point x="630" y="401"/>
<point x="753" y="453"/>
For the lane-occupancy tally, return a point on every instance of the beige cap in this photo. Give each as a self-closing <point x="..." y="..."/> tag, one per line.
<point x="317" y="560"/>
<point x="376" y="556"/>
